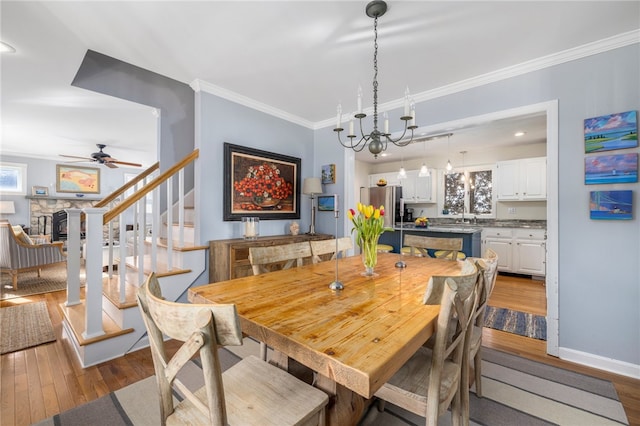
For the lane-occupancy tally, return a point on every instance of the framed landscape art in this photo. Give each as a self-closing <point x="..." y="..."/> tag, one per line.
<point x="621" y="168"/>
<point x="611" y="205"/>
<point x="609" y="132"/>
<point x="260" y="183"/>
<point x="81" y="180"/>
<point x="329" y="173"/>
<point x="326" y="203"/>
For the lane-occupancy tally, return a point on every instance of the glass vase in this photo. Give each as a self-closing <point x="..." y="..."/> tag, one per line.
<point x="369" y="248"/>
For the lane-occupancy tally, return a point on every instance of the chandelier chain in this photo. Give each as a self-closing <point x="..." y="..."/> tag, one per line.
<point x="376" y="140"/>
<point x="375" y="74"/>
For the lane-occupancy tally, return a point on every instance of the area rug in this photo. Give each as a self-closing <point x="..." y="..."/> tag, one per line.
<point x="24" y="326"/>
<point x="516" y="322"/>
<point x="516" y="391"/>
<point x="51" y="279"/>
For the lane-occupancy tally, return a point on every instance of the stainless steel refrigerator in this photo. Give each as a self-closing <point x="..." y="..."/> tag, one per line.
<point x="389" y="197"/>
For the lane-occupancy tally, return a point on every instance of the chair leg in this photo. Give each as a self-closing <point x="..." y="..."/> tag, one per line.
<point x="39" y="272"/>
<point x="380" y="405"/>
<point x="14" y="280"/>
<point x="477" y="362"/>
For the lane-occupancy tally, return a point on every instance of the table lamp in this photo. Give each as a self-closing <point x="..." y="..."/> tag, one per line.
<point x="311" y="187"/>
<point x="7" y="207"/>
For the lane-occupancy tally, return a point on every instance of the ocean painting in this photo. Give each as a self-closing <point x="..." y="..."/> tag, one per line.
<point x="611" y="205"/>
<point x="622" y="168"/>
<point x="609" y="132"/>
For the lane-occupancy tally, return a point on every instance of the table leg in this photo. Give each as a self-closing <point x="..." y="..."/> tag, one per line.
<point x="292" y="366"/>
<point x="345" y="406"/>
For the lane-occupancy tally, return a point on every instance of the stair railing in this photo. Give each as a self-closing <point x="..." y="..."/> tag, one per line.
<point x="99" y="216"/>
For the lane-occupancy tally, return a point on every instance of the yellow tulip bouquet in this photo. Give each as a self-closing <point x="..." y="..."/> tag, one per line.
<point x="369" y="224"/>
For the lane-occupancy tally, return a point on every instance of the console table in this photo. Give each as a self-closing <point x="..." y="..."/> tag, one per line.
<point x="229" y="259"/>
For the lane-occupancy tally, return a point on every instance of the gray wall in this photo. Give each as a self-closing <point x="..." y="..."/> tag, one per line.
<point x="104" y="74"/>
<point x="219" y="121"/>
<point x="43" y="173"/>
<point x="599" y="276"/>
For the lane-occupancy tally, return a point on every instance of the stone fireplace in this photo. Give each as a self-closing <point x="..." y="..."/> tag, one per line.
<point x="42" y="210"/>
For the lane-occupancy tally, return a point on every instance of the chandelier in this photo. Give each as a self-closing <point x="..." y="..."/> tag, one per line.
<point x="377" y="140"/>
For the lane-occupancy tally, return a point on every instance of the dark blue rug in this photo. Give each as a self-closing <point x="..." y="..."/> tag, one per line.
<point x="516" y="322"/>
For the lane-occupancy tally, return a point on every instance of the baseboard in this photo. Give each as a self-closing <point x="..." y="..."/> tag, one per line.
<point x="601" y="363"/>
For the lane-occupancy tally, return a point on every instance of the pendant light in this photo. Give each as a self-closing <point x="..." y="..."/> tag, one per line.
<point x="402" y="174"/>
<point x="464" y="172"/>
<point x="424" y="171"/>
<point x="449" y="166"/>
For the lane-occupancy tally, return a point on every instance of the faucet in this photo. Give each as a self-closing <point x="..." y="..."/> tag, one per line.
<point x="475" y="219"/>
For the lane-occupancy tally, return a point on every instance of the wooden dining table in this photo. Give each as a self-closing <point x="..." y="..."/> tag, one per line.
<point x="354" y="339"/>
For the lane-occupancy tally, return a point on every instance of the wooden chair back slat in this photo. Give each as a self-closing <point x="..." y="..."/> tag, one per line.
<point x="285" y="256"/>
<point x="420" y="244"/>
<point x="326" y="247"/>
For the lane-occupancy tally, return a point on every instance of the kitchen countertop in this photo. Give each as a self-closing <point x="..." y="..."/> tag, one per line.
<point x="452" y="229"/>
<point x="448" y="225"/>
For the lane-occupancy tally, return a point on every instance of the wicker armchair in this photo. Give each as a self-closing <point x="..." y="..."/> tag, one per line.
<point x="20" y="254"/>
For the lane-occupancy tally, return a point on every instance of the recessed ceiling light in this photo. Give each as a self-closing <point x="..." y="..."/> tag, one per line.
<point x="518" y="134"/>
<point x="6" y="48"/>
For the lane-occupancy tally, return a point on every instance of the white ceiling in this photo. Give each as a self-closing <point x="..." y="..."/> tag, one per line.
<point x="299" y="58"/>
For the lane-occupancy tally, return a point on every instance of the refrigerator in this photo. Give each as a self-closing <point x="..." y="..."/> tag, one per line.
<point x="389" y="197"/>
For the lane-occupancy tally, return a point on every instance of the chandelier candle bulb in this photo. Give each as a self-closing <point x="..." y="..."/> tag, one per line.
<point x="359" y="99"/>
<point x="386" y="123"/>
<point x="351" y="133"/>
<point x="339" y="116"/>
<point x="407" y="107"/>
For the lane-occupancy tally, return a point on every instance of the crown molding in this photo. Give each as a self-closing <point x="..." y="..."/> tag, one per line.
<point x="589" y="49"/>
<point x="594" y="48"/>
<point x="202" y="86"/>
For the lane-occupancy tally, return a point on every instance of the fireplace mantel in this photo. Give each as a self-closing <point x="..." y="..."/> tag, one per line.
<point x="31" y="197"/>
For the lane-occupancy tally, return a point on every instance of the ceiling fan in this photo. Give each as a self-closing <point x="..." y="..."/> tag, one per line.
<point x="101" y="157"/>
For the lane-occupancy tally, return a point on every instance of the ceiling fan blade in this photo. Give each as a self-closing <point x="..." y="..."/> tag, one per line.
<point x="75" y="156"/>
<point x="110" y="165"/>
<point x="124" y="163"/>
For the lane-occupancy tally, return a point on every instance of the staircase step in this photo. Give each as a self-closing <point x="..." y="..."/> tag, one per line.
<point x="75" y="317"/>
<point x="162" y="269"/>
<point x="188" y="246"/>
<point x="111" y="290"/>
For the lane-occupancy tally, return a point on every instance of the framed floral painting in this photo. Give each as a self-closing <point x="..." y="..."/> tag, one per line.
<point x="260" y="183"/>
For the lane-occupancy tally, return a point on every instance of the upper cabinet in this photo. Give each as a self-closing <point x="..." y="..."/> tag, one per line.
<point x="417" y="189"/>
<point x="522" y="180"/>
<point x="390" y="177"/>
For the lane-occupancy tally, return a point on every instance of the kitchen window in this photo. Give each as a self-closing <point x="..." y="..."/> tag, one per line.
<point x="469" y="193"/>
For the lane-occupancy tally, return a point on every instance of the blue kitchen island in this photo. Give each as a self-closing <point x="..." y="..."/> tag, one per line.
<point x="471" y="236"/>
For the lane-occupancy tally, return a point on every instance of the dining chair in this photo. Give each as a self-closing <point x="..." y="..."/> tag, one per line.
<point x="326" y="247"/>
<point x="272" y="258"/>
<point x="489" y="266"/>
<point x="447" y="248"/>
<point x="252" y="392"/>
<point x="429" y="382"/>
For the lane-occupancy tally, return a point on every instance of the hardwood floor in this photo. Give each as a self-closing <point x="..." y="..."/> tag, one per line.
<point x="39" y="382"/>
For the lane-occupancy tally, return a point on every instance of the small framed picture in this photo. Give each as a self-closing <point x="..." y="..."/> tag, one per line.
<point x="326" y="203"/>
<point x="329" y="173"/>
<point x="39" y="191"/>
<point x="611" y="205"/>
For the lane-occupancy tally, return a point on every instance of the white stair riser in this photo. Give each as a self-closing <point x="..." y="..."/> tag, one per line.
<point x="173" y="286"/>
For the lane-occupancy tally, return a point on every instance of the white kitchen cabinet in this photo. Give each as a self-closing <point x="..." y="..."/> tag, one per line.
<point x="519" y="250"/>
<point x="416" y="189"/>
<point x="530" y="252"/>
<point x="522" y="180"/>
<point x="500" y="241"/>
<point x="390" y="177"/>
